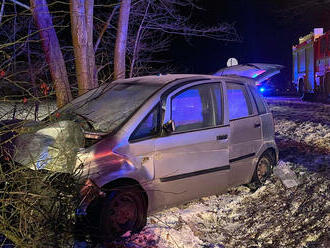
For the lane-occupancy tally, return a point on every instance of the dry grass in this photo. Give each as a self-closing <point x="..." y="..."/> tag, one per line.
<point x="37" y="207"/>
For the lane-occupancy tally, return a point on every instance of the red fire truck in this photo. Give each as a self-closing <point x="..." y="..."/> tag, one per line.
<point x="311" y="65"/>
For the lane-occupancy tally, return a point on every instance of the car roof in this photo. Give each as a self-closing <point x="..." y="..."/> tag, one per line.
<point x="168" y="78"/>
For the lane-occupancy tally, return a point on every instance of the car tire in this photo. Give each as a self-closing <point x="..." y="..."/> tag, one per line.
<point x="264" y="169"/>
<point x="123" y="209"/>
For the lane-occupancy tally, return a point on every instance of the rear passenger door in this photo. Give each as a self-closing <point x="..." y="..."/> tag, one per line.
<point x="245" y="133"/>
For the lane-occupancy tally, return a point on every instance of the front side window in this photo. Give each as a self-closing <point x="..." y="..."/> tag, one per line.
<point x="193" y="108"/>
<point x="237" y="101"/>
<point x="149" y="127"/>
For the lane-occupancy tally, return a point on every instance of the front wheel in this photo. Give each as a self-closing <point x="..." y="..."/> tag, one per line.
<point x="124" y="209"/>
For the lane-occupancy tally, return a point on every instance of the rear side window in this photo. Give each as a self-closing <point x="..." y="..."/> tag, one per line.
<point x="238" y="101"/>
<point x="193" y="109"/>
<point x="258" y="100"/>
<point x="149" y="127"/>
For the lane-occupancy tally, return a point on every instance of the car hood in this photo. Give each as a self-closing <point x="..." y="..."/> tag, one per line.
<point x="256" y="71"/>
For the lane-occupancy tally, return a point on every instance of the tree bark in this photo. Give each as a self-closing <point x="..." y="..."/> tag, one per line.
<point x="121" y="40"/>
<point x="82" y="35"/>
<point x="52" y="50"/>
<point x="89" y="5"/>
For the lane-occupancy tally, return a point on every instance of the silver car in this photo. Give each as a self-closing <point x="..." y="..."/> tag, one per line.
<point x="157" y="141"/>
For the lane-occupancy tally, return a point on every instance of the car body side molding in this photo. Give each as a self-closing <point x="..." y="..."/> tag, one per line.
<point x="241" y="157"/>
<point x="195" y="173"/>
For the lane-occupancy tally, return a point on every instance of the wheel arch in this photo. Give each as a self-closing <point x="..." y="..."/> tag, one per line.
<point x="272" y="152"/>
<point x="126" y="181"/>
<point x="269" y="148"/>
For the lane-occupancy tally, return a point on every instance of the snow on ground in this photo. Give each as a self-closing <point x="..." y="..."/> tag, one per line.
<point x="270" y="216"/>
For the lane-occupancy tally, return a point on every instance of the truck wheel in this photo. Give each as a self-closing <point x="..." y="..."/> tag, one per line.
<point x="123" y="209"/>
<point x="327" y="85"/>
<point x="264" y="169"/>
<point x="301" y="88"/>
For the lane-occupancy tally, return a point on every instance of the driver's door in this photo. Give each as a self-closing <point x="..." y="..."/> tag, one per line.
<point x="193" y="160"/>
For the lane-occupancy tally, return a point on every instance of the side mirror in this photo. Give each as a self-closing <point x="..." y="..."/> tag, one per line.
<point x="169" y="127"/>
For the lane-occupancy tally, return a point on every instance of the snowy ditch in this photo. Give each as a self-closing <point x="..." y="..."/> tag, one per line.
<point x="271" y="216"/>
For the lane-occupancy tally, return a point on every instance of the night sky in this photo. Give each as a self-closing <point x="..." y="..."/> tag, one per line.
<point x="267" y="31"/>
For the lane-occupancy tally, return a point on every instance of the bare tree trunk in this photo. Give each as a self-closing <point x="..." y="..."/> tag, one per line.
<point x="89" y="4"/>
<point x="82" y="36"/>
<point x="121" y="39"/>
<point x="52" y="50"/>
<point x="14" y="43"/>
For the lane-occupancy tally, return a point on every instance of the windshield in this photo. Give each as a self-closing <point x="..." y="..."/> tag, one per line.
<point x="108" y="106"/>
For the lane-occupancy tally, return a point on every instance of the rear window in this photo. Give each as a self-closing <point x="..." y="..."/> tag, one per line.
<point x="258" y="100"/>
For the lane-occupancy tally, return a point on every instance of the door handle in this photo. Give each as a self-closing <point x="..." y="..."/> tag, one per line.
<point x="222" y="137"/>
<point x="257" y="124"/>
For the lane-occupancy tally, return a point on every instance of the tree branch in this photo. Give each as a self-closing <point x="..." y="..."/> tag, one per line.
<point x="2" y="9"/>
<point x="105" y="27"/>
<point x="137" y="42"/>
<point x="20" y="4"/>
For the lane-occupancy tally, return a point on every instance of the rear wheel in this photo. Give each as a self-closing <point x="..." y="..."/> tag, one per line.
<point x="301" y="88"/>
<point x="264" y="169"/>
